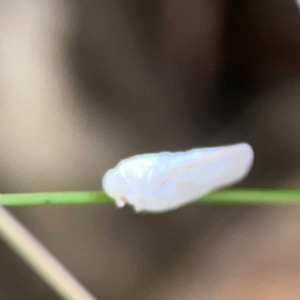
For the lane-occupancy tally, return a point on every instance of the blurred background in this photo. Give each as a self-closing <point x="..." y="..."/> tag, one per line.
<point x="85" y="83"/>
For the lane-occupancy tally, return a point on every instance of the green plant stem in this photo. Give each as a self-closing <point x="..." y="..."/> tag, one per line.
<point x="253" y="196"/>
<point x="234" y="196"/>
<point x="52" y="198"/>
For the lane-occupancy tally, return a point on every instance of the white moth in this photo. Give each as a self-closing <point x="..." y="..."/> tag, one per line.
<point x="164" y="181"/>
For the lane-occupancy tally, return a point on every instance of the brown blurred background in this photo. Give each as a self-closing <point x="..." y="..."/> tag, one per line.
<point x="85" y="83"/>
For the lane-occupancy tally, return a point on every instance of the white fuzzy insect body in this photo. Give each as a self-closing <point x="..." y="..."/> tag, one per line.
<point x="164" y="181"/>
